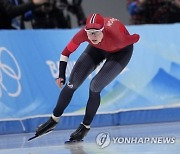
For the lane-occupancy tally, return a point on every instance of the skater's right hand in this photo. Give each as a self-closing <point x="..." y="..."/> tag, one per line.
<point x="60" y="82"/>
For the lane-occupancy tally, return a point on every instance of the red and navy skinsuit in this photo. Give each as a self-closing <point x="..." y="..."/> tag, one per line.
<point x="115" y="48"/>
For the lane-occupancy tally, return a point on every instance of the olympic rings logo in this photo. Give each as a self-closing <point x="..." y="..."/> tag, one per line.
<point x="13" y="74"/>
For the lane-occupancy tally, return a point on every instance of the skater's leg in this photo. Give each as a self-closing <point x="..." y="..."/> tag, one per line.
<point x="114" y="64"/>
<point x="86" y="63"/>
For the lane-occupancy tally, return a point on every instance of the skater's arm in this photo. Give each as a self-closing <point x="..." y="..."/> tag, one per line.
<point x="70" y="48"/>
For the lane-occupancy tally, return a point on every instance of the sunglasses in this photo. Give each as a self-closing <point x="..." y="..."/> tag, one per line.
<point x="94" y="31"/>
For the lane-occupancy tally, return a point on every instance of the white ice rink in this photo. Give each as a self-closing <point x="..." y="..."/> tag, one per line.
<point x="53" y="143"/>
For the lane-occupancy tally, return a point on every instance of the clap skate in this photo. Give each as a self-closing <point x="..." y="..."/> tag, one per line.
<point x="78" y="135"/>
<point x="45" y="128"/>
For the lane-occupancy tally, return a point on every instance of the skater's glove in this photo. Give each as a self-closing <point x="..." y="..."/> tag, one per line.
<point x="60" y="81"/>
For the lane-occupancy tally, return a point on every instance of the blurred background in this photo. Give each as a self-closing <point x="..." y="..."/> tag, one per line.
<point x="73" y="13"/>
<point x="32" y="37"/>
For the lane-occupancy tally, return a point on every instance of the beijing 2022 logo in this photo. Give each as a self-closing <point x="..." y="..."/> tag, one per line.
<point x="10" y="74"/>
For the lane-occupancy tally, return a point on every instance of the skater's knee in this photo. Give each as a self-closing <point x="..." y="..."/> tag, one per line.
<point x="95" y="86"/>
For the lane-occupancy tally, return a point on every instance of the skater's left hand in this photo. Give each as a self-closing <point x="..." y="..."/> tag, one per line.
<point x="60" y="82"/>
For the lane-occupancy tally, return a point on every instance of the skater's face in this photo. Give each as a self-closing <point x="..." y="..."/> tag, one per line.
<point x="94" y="35"/>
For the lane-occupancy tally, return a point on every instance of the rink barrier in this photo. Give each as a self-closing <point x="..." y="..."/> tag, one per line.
<point x="28" y="125"/>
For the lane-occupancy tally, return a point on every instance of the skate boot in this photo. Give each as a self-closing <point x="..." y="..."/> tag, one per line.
<point x="45" y="128"/>
<point x="78" y="135"/>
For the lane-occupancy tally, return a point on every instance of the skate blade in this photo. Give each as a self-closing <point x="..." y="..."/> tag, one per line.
<point x="37" y="136"/>
<point x="32" y="138"/>
<point x="73" y="141"/>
